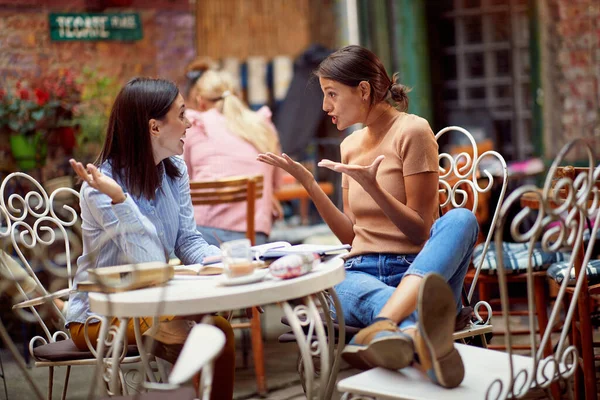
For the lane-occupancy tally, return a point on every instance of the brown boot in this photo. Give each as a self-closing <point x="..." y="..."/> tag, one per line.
<point x="380" y="344"/>
<point x="434" y="344"/>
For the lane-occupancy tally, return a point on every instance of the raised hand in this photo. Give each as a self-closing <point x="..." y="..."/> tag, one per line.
<point x="364" y="175"/>
<point x="99" y="181"/>
<point x="292" y="167"/>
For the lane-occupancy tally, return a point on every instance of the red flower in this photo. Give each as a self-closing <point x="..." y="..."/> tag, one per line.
<point x="23" y="94"/>
<point x="2" y="94"/>
<point x="41" y="96"/>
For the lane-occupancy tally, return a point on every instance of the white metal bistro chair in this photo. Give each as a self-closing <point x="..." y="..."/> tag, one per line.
<point x="32" y="224"/>
<point x="202" y="346"/>
<point x="559" y="222"/>
<point x="464" y="177"/>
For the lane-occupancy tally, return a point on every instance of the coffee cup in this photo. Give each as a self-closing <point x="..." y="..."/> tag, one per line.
<point x="237" y="258"/>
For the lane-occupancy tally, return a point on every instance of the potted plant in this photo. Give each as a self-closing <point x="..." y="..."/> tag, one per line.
<point x="24" y="113"/>
<point x="66" y="89"/>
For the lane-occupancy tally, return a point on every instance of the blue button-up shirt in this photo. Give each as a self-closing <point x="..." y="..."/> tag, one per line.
<point x="140" y="230"/>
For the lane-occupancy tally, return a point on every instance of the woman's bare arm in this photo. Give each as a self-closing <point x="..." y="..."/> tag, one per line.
<point x="339" y="222"/>
<point x="415" y="217"/>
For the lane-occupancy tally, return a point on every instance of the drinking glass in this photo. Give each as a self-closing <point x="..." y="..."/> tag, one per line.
<point x="237" y="258"/>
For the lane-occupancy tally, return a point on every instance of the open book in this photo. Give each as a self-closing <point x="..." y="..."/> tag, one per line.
<point x="284" y="250"/>
<point x="211" y="269"/>
<point x="199" y="269"/>
<point x="268" y="251"/>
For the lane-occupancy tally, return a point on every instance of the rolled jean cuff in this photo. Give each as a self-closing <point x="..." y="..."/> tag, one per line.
<point x="416" y="272"/>
<point x="408" y="322"/>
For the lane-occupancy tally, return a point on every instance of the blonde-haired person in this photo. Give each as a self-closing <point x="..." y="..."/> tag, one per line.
<point x="224" y="140"/>
<point x="193" y="72"/>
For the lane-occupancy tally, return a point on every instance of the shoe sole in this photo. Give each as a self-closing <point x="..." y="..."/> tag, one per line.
<point x="390" y="352"/>
<point x="437" y="314"/>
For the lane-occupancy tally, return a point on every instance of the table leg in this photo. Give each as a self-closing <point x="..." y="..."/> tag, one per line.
<point x="100" y="346"/>
<point x="307" y="315"/>
<point x="115" y="373"/>
<point x="334" y="353"/>
<point x="142" y="350"/>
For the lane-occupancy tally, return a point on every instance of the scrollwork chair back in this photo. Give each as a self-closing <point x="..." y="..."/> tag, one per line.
<point x="465" y="178"/>
<point x="565" y="204"/>
<point x="31" y="223"/>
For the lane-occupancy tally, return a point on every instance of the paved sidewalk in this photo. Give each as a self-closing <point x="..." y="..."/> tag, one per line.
<point x="282" y="379"/>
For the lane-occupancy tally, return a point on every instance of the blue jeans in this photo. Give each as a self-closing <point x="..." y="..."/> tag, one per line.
<point x="226" y="235"/>
<point x="372" y="278"/>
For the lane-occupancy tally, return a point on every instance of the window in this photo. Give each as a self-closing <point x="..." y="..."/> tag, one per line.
<point x="480" y="57"/>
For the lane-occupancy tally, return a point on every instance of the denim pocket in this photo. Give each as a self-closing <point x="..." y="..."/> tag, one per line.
<point x="406" y="258"/>
<point x="351" y="261"/>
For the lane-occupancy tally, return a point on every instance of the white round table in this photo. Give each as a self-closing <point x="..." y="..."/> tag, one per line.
<point x="208" y="295"/>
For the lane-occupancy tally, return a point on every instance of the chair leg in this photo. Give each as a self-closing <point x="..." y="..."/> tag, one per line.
<point x="245" y="345"/>
<point x="64" y="393"/>
<point x="258" y="352"/>
<point x="50" y="380"/>
<point x="541" y="304"/>
<point x="484" y="343"/>
<point x="579" y="382"/>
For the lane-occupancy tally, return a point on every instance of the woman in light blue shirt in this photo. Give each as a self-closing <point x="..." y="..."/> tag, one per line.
<point x="138" y="194"/>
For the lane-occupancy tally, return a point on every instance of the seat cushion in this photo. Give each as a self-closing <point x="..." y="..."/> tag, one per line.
<point x="558" y="271"/>
<point x="515" y="257"/>
<point x="65" y="350"/>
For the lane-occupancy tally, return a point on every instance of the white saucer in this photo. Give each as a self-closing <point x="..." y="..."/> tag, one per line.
<point x="257" y="275"/>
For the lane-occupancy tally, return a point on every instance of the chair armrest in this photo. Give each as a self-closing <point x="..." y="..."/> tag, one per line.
<point x="42" y="299"/>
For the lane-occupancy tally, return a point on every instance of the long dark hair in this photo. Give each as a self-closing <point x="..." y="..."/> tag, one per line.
<point x="352" y="64"/>
<point x="128" y="147"/>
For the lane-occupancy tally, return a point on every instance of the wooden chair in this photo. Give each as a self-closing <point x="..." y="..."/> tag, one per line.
<point x="492" y="374"/>
<point x="579" y="182"/>
<point x="232" y="190"/>
<point x="32" y="223"/>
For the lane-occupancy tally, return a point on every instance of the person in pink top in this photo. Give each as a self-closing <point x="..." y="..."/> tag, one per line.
<point x="224" y="140"/>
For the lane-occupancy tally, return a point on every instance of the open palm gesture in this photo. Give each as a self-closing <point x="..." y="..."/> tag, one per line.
<point x="364" y="175"/>
<point x="292" y="167"/>
<point x="99" y="181"/>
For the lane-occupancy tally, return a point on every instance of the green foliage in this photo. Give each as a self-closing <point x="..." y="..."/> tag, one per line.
<point x="39" y="104"/>
<point x="98" y="94"/>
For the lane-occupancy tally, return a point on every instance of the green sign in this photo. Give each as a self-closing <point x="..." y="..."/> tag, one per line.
<point x="84" y="26"/>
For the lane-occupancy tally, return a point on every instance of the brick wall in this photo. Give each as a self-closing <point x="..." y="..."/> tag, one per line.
<point x="166" y="48"/>
<point x="26" y="49"/>
<point x="571" y="66"/>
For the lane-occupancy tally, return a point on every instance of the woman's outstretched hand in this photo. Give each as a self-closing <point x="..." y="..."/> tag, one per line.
<point x="99" y="181"/>
<point x="292" y="167"/>
<point x="364" y="175"/>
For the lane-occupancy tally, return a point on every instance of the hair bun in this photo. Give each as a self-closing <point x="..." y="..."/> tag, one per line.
<point x="200" y="65"/>
<point x="399" y="94"/>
